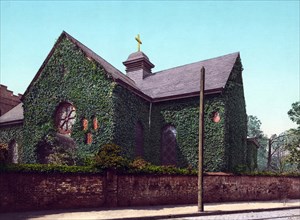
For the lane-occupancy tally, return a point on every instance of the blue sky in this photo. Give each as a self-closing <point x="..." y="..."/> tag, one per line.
<point x="266" y="33"/>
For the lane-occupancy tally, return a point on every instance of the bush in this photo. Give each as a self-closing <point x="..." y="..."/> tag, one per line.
<point x="110" y="157"/>
<point x="47" y="168"/>
<point x="240" y="169"/>
<point x="272" y="173"/>
<point x="140" y="166"/>
<point x="3" y="155"/>
<point x="56" y="149"/>
<point x="139" y="163"/>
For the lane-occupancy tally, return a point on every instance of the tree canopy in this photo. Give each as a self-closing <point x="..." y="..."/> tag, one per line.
<point x="294" y="113"/>
<point x="255" y="131"/>
<point x="254" y="127"/>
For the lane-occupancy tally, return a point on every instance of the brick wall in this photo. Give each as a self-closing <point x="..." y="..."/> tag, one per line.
<point x="7" y="99"/>
<point x="20" y="192"/>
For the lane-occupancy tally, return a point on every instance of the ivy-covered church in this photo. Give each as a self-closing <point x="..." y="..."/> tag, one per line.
<point x="79" y="100"/>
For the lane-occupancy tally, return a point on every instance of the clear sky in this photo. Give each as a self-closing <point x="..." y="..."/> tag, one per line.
<point x="266" y="33"/>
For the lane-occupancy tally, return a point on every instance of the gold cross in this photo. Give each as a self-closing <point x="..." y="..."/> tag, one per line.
<point x="137" y="38"/>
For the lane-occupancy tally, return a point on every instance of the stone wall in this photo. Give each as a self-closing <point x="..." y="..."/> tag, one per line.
<point x="22" y="192"/>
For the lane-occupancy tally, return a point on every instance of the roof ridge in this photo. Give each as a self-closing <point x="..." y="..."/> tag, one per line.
<point x="87" y="49"/>
<point x="196" y="62"/>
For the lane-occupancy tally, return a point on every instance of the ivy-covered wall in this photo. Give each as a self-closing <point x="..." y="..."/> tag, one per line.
<point x="129" y="109"/>
<point x="69" y="76"/>
<point x="225" y="146"/>
<point x="9" y="134"/>
<point x="184" y="116"/>
<point x="236" y="120"/>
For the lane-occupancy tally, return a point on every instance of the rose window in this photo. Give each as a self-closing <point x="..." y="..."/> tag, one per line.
<point x="65" y="118"/>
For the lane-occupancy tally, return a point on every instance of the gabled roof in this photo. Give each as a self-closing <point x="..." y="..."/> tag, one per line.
<point x="184" y="80"/>
<point x="13" y="117"/>
<point x="109" y="69"/>
<point x="179" y="82"/>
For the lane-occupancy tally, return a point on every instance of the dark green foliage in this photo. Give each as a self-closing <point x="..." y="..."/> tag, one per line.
<point x="184" y="116"/>
<point x="56" y="149"/>
<point x="139" y="163"/>
<point x="293" y="143"/>
<point x="9" y="134"/>
<point x="254" y="130"/>
<point x="69" y="76"/>
<point x="294" y="135"/>
<point x="225" y="141"/>
<point x="129" y="110"/>
<point x="236" y="120"/>
<point x="110" y="157"/>
<point x="3" y="155"/>
<point x="294" y="113"/>
<point x="269" y="173"/>
<point x="47" y="168"/>
<point x="240" y="169"/>
<point x="254" y="124"/>
<point x="140" y="166"/>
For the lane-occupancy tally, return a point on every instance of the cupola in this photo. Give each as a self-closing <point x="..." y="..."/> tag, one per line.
<point x="138" y="65"/>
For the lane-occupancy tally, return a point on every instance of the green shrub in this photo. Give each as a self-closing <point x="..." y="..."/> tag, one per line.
<point x="139" y="163"/>
<point x="47" y="168"/>
<point x="140" y="166"/>
<point x="240" y="169"/>
<point x="56" y="149"/>
<point x="3" y="155"/>
<point x="272" y="173"/>
<point x="110" y="157"/>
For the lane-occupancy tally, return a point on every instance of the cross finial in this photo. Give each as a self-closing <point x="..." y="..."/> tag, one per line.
<point x="137" y="38"/>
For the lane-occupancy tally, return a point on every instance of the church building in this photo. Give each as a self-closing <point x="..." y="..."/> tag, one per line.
<point x="80" y="101"/>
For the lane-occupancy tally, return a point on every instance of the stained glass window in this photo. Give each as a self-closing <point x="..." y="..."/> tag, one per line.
<point x="65" y="118"/>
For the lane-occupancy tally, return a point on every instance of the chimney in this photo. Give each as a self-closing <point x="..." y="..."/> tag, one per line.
<point x="138" y="66"/>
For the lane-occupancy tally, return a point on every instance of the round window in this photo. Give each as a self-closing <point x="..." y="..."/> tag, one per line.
<point x="65" y="118"/>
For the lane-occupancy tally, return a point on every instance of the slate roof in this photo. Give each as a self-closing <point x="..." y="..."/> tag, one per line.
<point x="178" y="82"/>
<point x="110" y="69"/>
<point x="172" y="83"/>
<point x="186" y="79"/>
<point x="14" y="116"/>
<point x="116" y="74"/>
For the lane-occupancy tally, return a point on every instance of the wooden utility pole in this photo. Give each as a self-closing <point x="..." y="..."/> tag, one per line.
<point x="201" y="138"/>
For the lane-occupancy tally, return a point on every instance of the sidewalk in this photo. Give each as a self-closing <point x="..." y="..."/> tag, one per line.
<point x="154" y="212"/>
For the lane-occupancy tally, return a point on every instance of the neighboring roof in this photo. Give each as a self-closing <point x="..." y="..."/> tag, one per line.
<point x="12" y="117"/>
<point x="253" y="140"/>
<point x="186" y="79"/>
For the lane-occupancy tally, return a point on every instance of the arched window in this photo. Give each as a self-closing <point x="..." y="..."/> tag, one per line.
<point x="13" y="152"/>
<point x="168" y="146"/>
<point x="139" y="139"/>
<point x="65" y="117"/>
